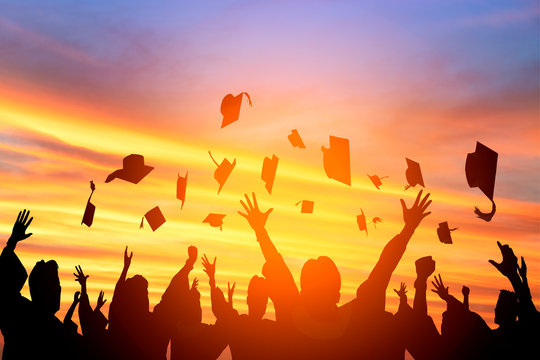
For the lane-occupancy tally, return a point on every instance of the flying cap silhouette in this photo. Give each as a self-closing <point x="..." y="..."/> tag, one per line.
<point x="480" y="170"/>
<point x="361" y="221"/>
<point x="307" y="206"/>
<point x="215" y="220"/>
<point x="88" y="217"/>
<point x="376" y="180"/>
<point x="337" y="160"/>
<point x="223" y="171"/>
<point x="269" y="172"/>
<point x="154" y="217"/>
<point x="413" y="174"/>
<point x="295" y="139"/>
<point x="181" y="184"/>
<point x="133" y="169"/>
<point x="443" y="232"/>
<point x="230" y="108"/>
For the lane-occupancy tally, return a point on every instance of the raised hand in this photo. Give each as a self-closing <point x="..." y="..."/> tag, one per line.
<point x="192" y="254"/>
<point x="402" y="292"/>
<point x="253" y="215"/>
<point x="465" y="291"/>
<point x="424" y="268"/>
<point x="19" y="227"/>
<point x="440" y="289"/>
<point x="81" y="278"/>
<point x="77" y="297"/>
<point x="100" y="301"/>
<point x="508" y="266"/>
<point x="230" y="292"/>
<point x="210" y="270"/>
<point x="194" y="284"/>
<point x="417" y="212"/>
<point x="127" y="258"/>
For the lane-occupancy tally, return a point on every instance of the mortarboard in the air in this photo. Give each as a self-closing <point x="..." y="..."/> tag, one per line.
<point x="413" y="174"/>
<point x="376" y="180"/>
<point x="269" y="172"/>
<point x="230" y="108"/>
<point x="181" y="185"/>
<point x="307" y="206"/>
<point x="443" y="232"/>
<point x="337" y="160"/>
<point x="154" y="217"/>
<point x="223" y="171"/>
<point x="480" y="170"/>
<point x="296" y="140"/>
<point x="215" y="220"/>
<point x="88" y="217"/>
<point x="361" y="220"/>
<point x="133" y="169"/>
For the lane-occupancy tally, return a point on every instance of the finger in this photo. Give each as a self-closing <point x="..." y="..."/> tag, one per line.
<point x="245" y="206"/>
<point x="497" y="265"/>
<point x="242" y="214"/>
<point x="19" y="217"/>
<point x="403" y="205"/>
<point x="434" y="291"/>
<point x="249" y="202"/>
<point x="29" y="221"/>
<point x="255" y="201"/>
<point x="417" y="198"/>
<point x="269" y="211"/>
<point x="125" y="251"/>
<point x="214" y="263"/>
<point x="499" y="244"/>
<point x="396" y="291"/>
<point x="423" y="201"/>
<point x="104" y="301"/>
<point x="27" y="236"/>
<point x="426" y="205"/>
<point x="435" y="285"/>
<point x="25" y="217"/>
<point x="426" y="214"/>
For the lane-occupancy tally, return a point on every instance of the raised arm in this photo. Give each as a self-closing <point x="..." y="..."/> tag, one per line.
<point x="220" y="307"/>
<point x="12" y="272"/>
<point x="68" y="323"/>
<point x="375" y="286"/>
<point x="85" y="310"/>
<point x="257" y="221"/>
<point x="402" y="293"/>
<point x="424" y="268"/>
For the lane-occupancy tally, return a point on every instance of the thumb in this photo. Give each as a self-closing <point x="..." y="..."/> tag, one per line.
<point x="269" y="211"/>
<point x="497" y="266"/>
<point x="403" y="206"/>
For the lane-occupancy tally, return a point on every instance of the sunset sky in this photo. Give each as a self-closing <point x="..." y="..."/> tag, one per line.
<point x="83" y="84"/>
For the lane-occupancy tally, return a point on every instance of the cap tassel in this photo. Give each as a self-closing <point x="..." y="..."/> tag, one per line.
<point x="142" y="223"/>
<point x="407" y="186"/>
<point x="486" y="216"/>
<point x="213" y="158"/>
<point x="249" y="99"/>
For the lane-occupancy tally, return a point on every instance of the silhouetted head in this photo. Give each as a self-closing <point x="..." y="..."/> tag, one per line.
<point x="45" y="286"/>
<point x="320" y="283"/>
<point x="136" y="295"/>
<point x="257" y="297"/>
<point x="506" y="309"/>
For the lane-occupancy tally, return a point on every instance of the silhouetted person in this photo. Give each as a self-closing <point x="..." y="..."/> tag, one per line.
<point x="416" y="327"/>
<point x="135" y="332"/>
<point x="518" y="338"/>
<point x="93" y="322"/>
<point x="30" y="328"/>
<point x="318" y="327"/>
<point x="465" y="335"/>
<point x="193" y="339"/>
<point x="249" y="335"/>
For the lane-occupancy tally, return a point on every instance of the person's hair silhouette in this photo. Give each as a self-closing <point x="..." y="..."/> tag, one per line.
<point x="257" y="297"/>
<point x="45" y="287"/>
<point x="506" y="310"/>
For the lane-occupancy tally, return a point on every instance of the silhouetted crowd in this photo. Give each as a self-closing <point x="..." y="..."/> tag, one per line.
<point x="309" y="323"/>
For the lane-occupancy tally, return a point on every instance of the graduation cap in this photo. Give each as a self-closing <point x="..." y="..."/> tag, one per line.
<point x="215" y="220"/>
<point x="223" y="171"/>
<point x="443" y="232"/>
<point x="425" y="264"/>
<point x="230" y="108"/>
<point x="133" y="169"/>
<point x="337" y="160"/>
<point x="376" y="180"/>
<point x="88" y="217"/>
<point x="480" y="170"/>
<point x="413" y="174"/>
<point x="296" y="140"/>
<point x="361" y="220"/>
<point x="269" y="172"/>
<point x="307" y="206"/>
<point x="154" y="217"/>
<point x="181" y="185"/>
